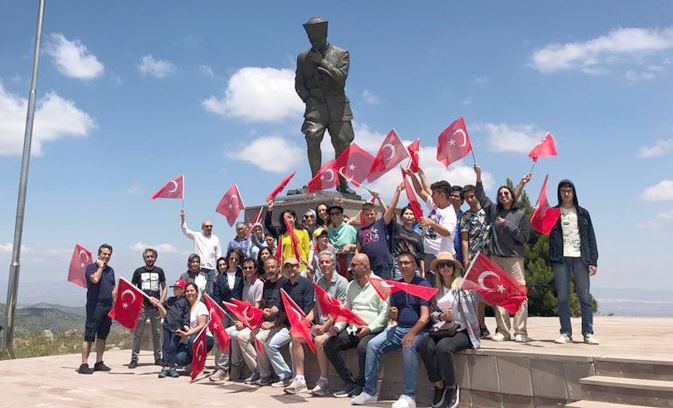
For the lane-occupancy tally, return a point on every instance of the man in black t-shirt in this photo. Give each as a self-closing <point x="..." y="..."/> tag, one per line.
<point x="151" y="280"/>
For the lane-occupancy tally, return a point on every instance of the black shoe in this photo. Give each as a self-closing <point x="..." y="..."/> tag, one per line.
<point x="346" y="391"/>
<point x="100" y="366"/>
<point x="252" y="379"/>
<point x="484" y="332"/>
<point x="133" y="364"/>
<point x="163" y="373"/>
<point x="452" y="397"/>
<point x="158" y="362"/>
<point x="84" y="369"/>
<point x="438" y="397"/>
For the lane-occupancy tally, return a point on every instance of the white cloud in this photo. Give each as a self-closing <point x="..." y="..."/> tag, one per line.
<point x="663" y="191"/>
<point x="467" y="101"/>
<point x="618" y="46"/>
<point x="660" y="148"/>
<point x="7" y="247"/>
<point x="55" y="118"/>
<point x="135" y="189"/>
<point x="258" y="95"/>
<point x="72" y="58"/>
<point x="666" y="215"/>
<point x="370" y="98"/>
<point x="635" y="76"/>
<point x="510" y="138"/>
<point x="161" y="248"/>
<point x="206" y="70"/>
<point x="264" y="153"/>
<point x="155" y="67"/>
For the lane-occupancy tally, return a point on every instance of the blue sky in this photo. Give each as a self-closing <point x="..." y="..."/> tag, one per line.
<point x="134" y="93"/>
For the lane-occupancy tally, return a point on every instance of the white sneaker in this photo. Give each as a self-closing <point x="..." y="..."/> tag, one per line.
<point x="521" y="338"/>
<point x="219" y="375"/>
<point x="363" y="399"/>
<point x="296" y="387"/>
<point x="405" y="401"/>
<point x="499" y="337"/>
<point x="563" y="339"/>
<point x="590" y="339"/>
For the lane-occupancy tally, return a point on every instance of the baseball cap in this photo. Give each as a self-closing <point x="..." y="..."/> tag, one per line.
<point x="179" y="283"/>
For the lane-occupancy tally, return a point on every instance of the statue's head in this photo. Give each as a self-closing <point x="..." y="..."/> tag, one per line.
<point x="316" y="29"/>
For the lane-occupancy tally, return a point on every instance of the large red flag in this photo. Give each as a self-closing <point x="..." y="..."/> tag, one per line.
<point x="81" y="257"/>
<point x="494" y="284"/>
<point x="199" y="353"/>
<point x="354" y="163"/>
<point x="453" y="143"/>
<point x="544" y="216"/>
<point x="231" y="205"/>
<point x="331" y="306"/>
<point x="546" y="148"/>
<point x="385" y="288"/>
<point x="253" y="315"/>
<point x="324" y="179"/>
<point x="280" y="187"/>
<point x="298" y="323"/>
<point x="391" y="152"/>
<point x="173" y="189"/>
<point x="215" y="323"/>
<point x="128" y="304"/>
<point x="411" y="196"/>
<point x="414" y="153"/>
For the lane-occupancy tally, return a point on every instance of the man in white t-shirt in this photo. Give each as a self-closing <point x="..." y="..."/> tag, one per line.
<point x="207" y="246"/>
<point x="439" y="226"/>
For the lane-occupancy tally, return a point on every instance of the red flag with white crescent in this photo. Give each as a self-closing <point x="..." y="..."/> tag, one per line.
<point x="411" y="196"/>
<point x="494" y="284"/>
<point x="326" y="178"/>
<point x="544" y="216"/>
<point x="199" y="354"/>
<point x="453" y="143"/>
<point x="331" y="306"/>
<point x="386" y="287"/>
<point x="280" y="187"/>
<point x="128" y="305"/>
<point x="299" y="325"/>
<point x="231" y="205"/>
<point x="414" y="153"/>
<point x="253" y="315"/>
<point x="391" y="152"/>
<point x="175" y="188"/>
<point x="81" y="258"/>
<point x="354" y="164"/>
<point x="546" y="148"/>
<point x="215" y="325"/>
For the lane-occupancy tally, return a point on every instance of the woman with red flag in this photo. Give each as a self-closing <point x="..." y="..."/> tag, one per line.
<point x="293" y="240"/>
<point x="198" y="319"/>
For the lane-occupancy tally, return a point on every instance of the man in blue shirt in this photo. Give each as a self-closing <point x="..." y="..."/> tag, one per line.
<point x="100" y="295"/>
<point x="412" y="315"/>
<point x="373" y="242"/>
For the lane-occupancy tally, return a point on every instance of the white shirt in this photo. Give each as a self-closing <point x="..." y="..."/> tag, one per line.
<point x="571" y="233"/>
<point x="434" y="243"/>
<point x="199" y="309"/>
<point x="207" y="248"/>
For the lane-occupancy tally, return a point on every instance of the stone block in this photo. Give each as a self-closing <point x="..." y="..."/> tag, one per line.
<point x="482" y="399"/>
<point x="548" y="379"/>
<point x="483" y="373"/>
<point x="573" y="372"/>
<point x="514" y="376"/>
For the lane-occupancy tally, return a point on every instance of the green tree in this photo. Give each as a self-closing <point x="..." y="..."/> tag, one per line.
<point x="539" y="275"/>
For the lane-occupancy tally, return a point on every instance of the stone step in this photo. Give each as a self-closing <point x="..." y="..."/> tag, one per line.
<point x="598" y="404"/>
<point x="634" y="368"/>
<point x="635" y="391"/>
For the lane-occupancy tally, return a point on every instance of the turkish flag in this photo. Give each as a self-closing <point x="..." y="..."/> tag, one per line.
<point x="411" y="196"/>
<point x="299" y="325"/>
<point x="254" y="316"/>
<point x="331" y="306"/>
<point x="293" y="237"/>
<point x="258" y="217"/>
<point x="453" y="143"/>
<point x="324" y="179"/>
<point x="546" y="148"/>
<point x="279" y="251"/>
<point x="215" y="323"/>
<point x="81" y="257"/>
<point x="385" y="288"/>
<point x="173" y="189"/>
<point x="414" y="153"/>
<point x="391" y="152"/>
<point x="494" y="284"/>
<point x="231" y="205"/>
<point x="544" y="217"/>
<point x="354" y="164"/>
<point x="199" y="354"/>
<point x="280" y="187"/>
<point x="128" y="304"/>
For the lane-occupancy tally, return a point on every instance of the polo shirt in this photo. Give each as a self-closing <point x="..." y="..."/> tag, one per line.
<point x="336" y="287"/>
<point x="367" y="304"/>
<point x="100" y="292"/>
<point x="408" y="306"/>
<point x="302" y="292"/>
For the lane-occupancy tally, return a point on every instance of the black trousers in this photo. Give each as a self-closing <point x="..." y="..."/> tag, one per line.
<point x="344" y="341"/>
<point x="438" y="356"/>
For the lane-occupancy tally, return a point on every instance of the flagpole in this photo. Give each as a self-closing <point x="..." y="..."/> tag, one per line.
<point x="474" y="159"/>
<point x="183" y="192"/>
<point x="14" y="268"/>
<point x="469" y="269"/>
<point x="532" y="167"/>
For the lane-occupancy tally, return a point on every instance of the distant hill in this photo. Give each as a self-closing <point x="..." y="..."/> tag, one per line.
<point x="41" y="317"/>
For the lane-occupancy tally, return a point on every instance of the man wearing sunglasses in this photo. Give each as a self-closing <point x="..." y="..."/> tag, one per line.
<point x="206" y="245"/>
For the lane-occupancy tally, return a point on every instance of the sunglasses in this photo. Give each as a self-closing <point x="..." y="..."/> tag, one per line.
<point x="308" y="216"/>
<point x="207" y="226"/>
<point x="441" y="265"/>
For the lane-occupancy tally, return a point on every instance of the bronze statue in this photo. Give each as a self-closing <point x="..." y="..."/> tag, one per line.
<point x="320" y="81"/>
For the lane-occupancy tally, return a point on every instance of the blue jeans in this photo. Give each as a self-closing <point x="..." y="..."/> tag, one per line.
<point x="184" y="354"/>
<point x="562" y="273"/>
<point x="210" y="280"/>
<point x="278" y="338"/>
<point x="389" y="340"/>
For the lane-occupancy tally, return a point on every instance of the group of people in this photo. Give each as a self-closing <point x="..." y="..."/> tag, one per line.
<point x="325" y="249"/>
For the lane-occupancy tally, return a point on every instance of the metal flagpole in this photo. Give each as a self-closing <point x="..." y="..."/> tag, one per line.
<point x="13" y="285"/>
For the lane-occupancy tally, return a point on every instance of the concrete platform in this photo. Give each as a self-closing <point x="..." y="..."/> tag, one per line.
<point x="539" y="373"/>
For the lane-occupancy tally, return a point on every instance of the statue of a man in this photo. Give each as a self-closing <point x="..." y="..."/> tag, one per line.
<point x="320" y="81"/>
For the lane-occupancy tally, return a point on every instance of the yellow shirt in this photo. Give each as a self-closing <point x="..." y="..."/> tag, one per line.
<point x="304" y="247"/>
